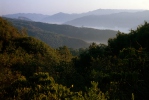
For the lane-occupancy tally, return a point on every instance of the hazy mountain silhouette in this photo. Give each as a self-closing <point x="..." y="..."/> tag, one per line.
<point x="24" y="18"/>
<point x="121" y="20"/>
<point x="60" y="18"/>
<point x="63" y="17"/>
<point x="114" y="19"/>
<point x="32" y="16"/>
<point x="108" y="11"/>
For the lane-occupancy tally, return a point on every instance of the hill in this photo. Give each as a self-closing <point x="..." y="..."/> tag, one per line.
<point x="52" y="38"/>
<point x="109" y="11"/>
<point x="30" y="69"/>
<point x="41" y="30"/>
<point x="31" y="16"/>
<point x="125" y="20"/>
<point x="61" y="17"/>
<point x="24" y="18"/>
<point x="20" y="50"/>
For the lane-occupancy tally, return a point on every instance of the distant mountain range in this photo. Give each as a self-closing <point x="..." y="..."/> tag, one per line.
<point x="60" y="18"/>
<point x="59" y="35"/>
<point x="64" y="17"/>
<point x="122" y="20"/>
<point x="24" y="18"/>
<point x="31" y="16"/>
<point x="114" y="19"/>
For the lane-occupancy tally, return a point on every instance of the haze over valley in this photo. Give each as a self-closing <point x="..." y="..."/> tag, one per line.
<point x="113" y="19"/>
<point x="59" y="35"/>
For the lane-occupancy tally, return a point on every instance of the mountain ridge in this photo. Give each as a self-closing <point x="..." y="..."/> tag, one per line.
<point x="52" y="39"/>
<point x="54" y="31"/>
<point x="32" y="16"/>
<point x="66" y="16"/>
<point x="123" y="20"/>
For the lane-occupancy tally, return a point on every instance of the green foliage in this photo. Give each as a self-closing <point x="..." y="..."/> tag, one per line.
<point x="54" y="35"/>
<point x="94" y="93"/>
<point x="64" y="54"/>
<point x="136" y="39"/>
<point x="31" y="70"/>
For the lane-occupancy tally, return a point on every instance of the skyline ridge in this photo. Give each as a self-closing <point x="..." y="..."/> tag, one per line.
<point x="73" y="13"/>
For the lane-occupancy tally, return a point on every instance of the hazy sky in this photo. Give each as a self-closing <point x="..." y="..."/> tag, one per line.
<point x="50" y="7"/>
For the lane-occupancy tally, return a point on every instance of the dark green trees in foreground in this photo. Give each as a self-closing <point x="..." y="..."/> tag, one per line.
<point x="31" y="70"/>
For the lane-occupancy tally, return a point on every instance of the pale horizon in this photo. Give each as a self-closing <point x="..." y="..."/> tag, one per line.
<point x="50" y="7"/>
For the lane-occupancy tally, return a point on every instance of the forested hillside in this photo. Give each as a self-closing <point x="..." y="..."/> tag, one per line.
<point x="31" y="70"/>
<point x="53" y="39"/>
<point x="60" y="34"/>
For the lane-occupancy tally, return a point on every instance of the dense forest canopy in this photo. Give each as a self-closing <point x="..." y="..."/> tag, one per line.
<point x="31" y="70"/>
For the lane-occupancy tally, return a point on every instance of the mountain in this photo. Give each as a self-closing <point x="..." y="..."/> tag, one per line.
<point x="24" y="18"/>
<point x="60" y="18"/>
<point x="35" y="29"/>
<point x="30" y="69"/>
<point x="125" y="20"/>
<point x="54" y="32"/>
<point x="31" y="16"/>
<point x="108" y="11"/>
<point x="86" y="34"/>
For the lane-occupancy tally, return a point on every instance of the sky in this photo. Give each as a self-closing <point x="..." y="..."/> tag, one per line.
<point x="49" y="7"/>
